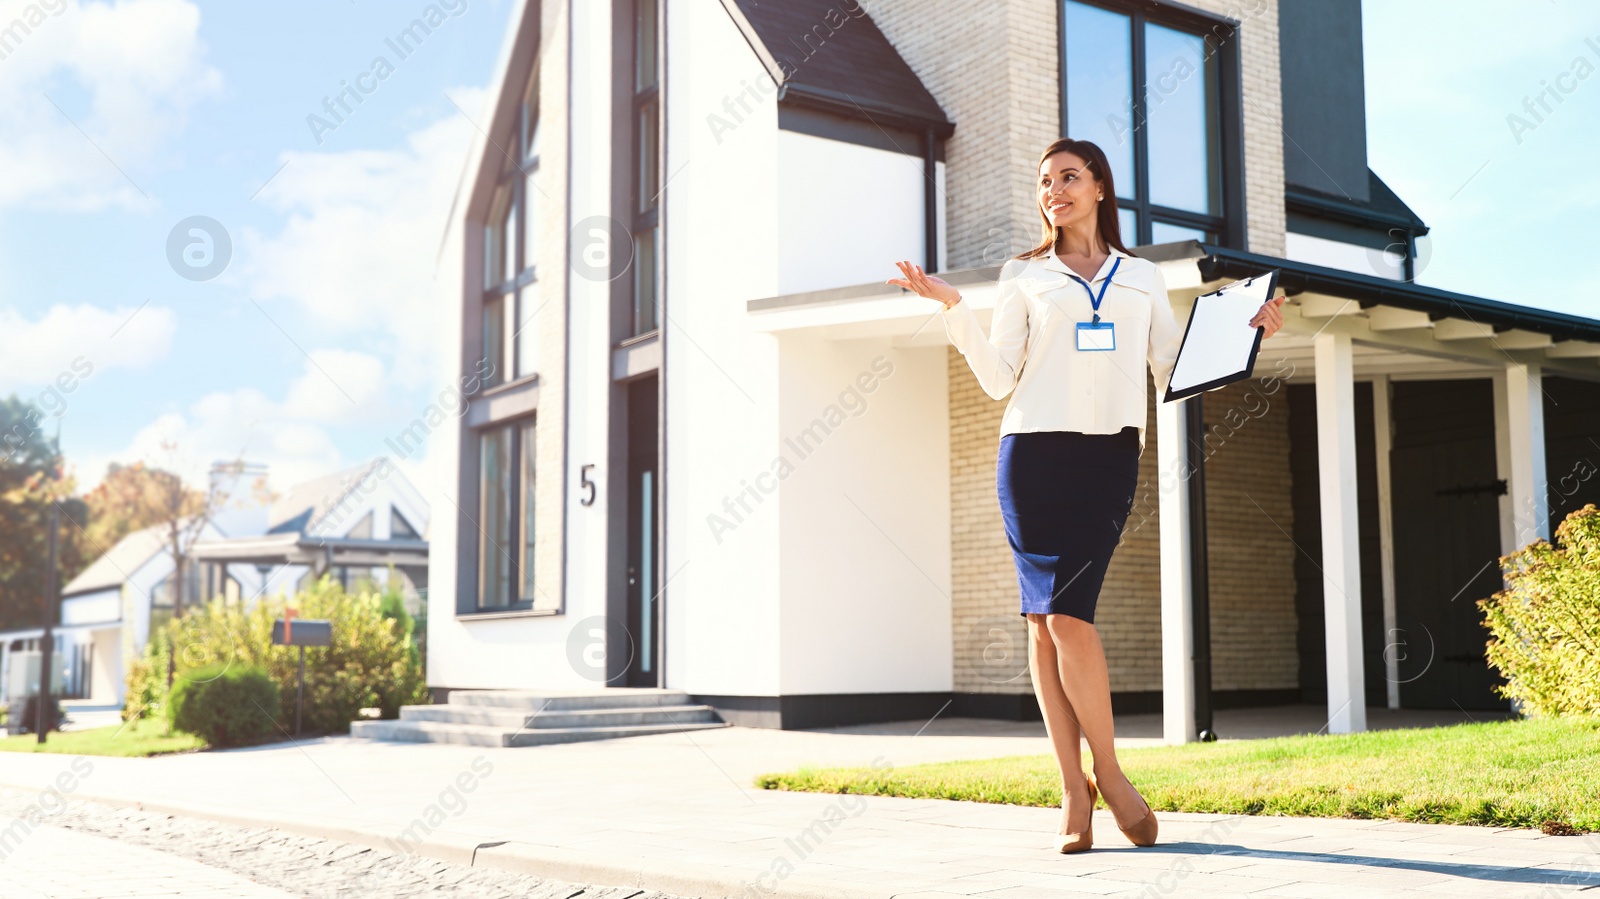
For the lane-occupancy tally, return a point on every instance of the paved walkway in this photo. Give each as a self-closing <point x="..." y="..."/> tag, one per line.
<point x="92" y="851"/>
<point x="678" y="813"/>
<point x="55" y="863"/>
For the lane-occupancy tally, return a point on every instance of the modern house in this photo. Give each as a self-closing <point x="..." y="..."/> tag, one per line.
<point x="713" y="451"/>
<point x="108" y="610"/>
<point x="352" y="524"/>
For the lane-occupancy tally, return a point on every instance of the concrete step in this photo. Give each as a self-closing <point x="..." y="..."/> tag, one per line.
<point x="489" y="735"/>
<point x="520" y="718"/>
<point x="430" y="732"/>
<point x="563" y="700"/>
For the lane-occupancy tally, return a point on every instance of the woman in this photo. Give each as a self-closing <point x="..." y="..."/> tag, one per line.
<point x="1076" y="320"/>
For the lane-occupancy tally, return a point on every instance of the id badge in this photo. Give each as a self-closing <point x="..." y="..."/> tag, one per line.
<point x="1093" y="336"/>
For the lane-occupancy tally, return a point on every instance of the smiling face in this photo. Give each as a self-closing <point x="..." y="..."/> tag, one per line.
<point x="1069" y="193"/>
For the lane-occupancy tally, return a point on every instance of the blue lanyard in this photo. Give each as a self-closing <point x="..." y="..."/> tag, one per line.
<point x="1095" y="300"/>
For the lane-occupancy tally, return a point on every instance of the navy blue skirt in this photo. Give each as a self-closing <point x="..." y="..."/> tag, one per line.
<point x="1065" y="497"/>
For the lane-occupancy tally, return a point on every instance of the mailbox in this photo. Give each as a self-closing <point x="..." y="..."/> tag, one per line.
<point x="302" y="632"/>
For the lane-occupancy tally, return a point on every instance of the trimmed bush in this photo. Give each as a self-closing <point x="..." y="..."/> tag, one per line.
<point x="225" y="705"/>
<point x="147" y="680"/>
<point x="372" y="662"/>
<point x="1546" y="623"/>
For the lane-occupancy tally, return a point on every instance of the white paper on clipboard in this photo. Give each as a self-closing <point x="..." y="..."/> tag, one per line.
<point x="1219" y="345"/>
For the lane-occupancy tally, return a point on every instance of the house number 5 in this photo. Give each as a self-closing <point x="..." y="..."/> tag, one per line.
<point x="583" y="480"/>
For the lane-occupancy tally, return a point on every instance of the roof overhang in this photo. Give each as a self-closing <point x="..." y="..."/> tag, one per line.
<point x="298" y="549"/>
<point x="1399" y="328"/>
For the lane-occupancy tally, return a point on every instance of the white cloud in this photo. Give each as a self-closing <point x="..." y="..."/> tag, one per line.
<point x="340" y="386"/>
<point x="34" y="353"/>
<point x="223" y="426"/>
<point x="141" y="67"/>
<point x="291" y="437"/>
<point x="288" y="435"/>
<point x="362" y="240"/>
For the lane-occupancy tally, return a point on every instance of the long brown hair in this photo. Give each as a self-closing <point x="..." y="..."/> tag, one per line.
<point x="1107" y="222"/>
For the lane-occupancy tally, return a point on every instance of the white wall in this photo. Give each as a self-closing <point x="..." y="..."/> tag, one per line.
<point x="846" y="212"/>
<point x="865" y="553"/>
<point x="92" y="608"/>
<point x="533" y="652"/>
<point x="743" y="617"/>
<point x="1344" y="256"/>
<point x="107" y="678"/>
<point x="721" y="378"/>
<point x="780" y="585"/>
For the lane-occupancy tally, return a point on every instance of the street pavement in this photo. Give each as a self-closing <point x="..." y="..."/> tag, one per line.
<point x="94" y="851"/>
<point x="678" y="813"/>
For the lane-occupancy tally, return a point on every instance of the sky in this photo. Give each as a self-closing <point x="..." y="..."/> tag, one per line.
<point x="119" y="121"/>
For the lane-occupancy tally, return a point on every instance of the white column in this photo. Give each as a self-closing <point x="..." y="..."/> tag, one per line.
<point x="1177" y="626"/>
<point x="1519" y="443"/>
<point x="1383" y="440"/>
<point x="1341" y="560"/>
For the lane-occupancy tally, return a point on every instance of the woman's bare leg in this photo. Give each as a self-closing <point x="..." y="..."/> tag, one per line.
<point x="1082" y="662"/>
<point x="1060" y="723"/>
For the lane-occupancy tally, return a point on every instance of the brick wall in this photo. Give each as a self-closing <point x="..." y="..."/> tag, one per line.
<point x="1252" y="582"/>
<point x="993" y="67"/>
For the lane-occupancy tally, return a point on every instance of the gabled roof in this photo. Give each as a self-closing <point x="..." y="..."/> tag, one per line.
<point x="825" y="57"/>
<point x="304" y="505"/>
<point x="119" y="563"/>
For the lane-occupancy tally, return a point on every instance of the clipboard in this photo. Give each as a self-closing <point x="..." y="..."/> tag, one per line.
<point x="1223" y="350"/>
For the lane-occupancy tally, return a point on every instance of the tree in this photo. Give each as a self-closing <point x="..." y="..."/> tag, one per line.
<point x="32" y="477"/>
<point x="130" y="498"/>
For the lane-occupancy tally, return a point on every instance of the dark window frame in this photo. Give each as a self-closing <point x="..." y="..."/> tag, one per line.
<point x="639" y="216"/>
<point x="1221" y="37"/>
<point x="521" y="495"/>
<point x="510" y="162"/>
<point x="518" y="158"/>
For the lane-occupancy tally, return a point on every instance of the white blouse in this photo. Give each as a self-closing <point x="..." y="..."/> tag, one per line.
<point x="1032" y="345"/>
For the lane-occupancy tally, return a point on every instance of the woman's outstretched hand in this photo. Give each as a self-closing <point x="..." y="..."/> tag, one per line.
<point x="923" y="284"/>
<point x="1269" y="317"/>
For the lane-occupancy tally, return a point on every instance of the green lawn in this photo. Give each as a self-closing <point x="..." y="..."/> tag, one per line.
<point x="1523" y="773"/>
<point x="141" y="738"/>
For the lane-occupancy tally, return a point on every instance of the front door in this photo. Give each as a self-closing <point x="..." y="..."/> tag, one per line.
<point x="643" y="581"/>
<point x="1446" y="505"/>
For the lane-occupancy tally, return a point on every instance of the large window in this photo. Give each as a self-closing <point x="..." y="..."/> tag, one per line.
<point x="1158" y="93"/>
<point x="510" y="250"/>
<point x="646" y="183"/>
<point x="505" y="516"/>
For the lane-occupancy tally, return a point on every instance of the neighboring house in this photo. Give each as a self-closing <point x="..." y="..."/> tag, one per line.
<point x="347" y="524"/>
<point x="708" y="448"/>
<point x="352" y="524"/>
<point x="107" y="612"/>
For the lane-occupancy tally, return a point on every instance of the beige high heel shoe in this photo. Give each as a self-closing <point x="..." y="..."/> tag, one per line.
<point x="1077" y="842"/>
<point x="1141" y="832"/>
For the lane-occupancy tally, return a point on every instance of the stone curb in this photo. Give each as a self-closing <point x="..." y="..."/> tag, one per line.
<point x="700" y="881"/>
